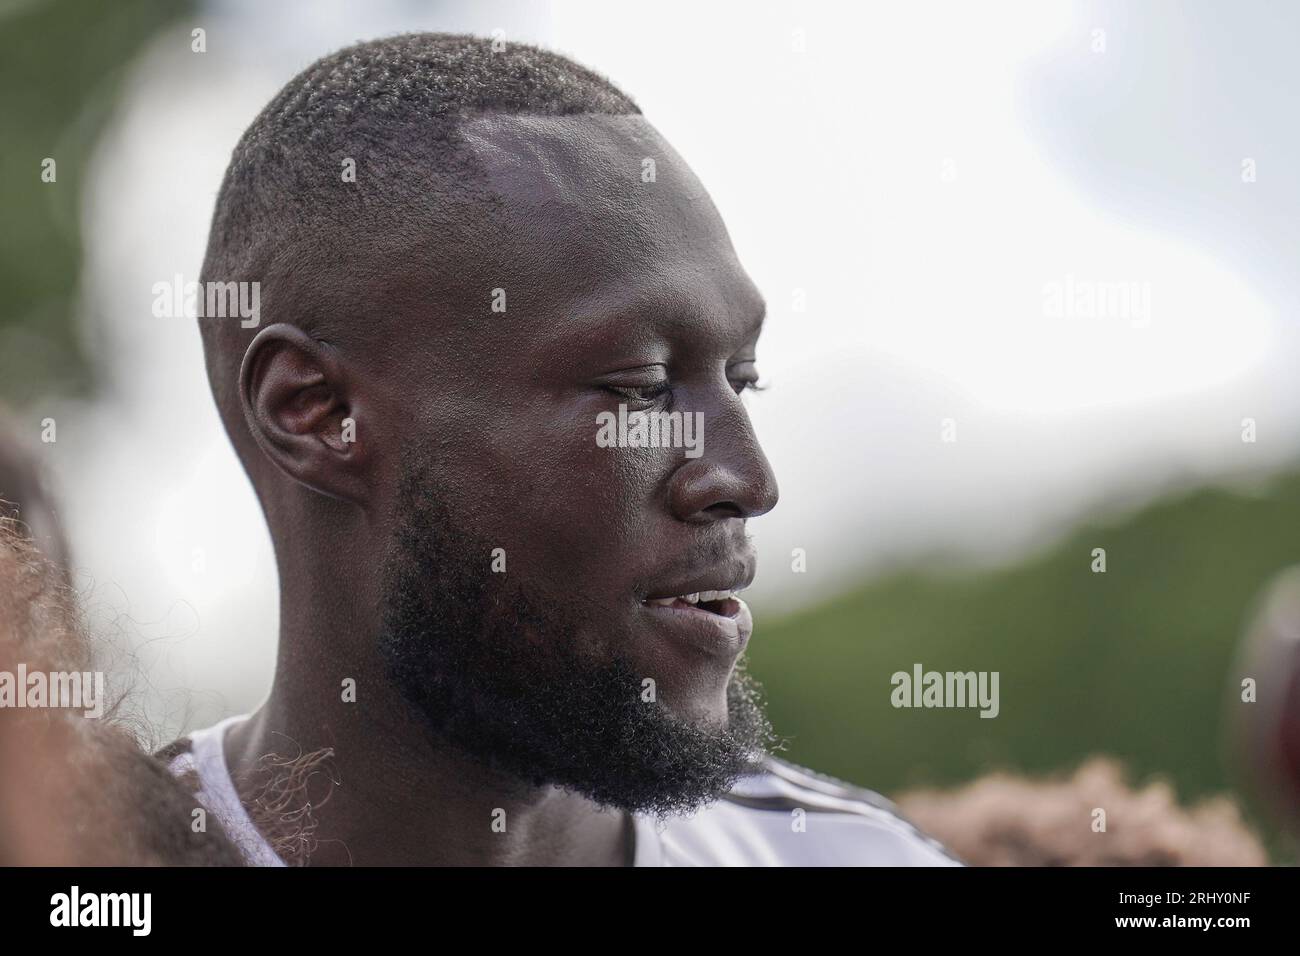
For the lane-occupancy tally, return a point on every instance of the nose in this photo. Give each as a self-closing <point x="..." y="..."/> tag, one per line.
<point x="731" y="478"/>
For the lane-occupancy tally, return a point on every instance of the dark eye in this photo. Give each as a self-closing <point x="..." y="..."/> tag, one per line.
<point x="639" y="393"/>
<point x="743" y="377"/>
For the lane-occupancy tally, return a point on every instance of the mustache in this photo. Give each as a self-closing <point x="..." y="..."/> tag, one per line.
<point x="707" y="553"/>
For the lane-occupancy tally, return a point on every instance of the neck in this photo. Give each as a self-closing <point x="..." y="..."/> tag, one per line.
<point x="395" y="796"/>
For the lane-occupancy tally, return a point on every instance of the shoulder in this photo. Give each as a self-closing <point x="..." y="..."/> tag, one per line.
<point x="786" y="815"/>
<point x="199" y="761"/>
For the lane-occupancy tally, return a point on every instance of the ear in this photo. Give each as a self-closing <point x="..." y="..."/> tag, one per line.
<point x="297" y="397"/>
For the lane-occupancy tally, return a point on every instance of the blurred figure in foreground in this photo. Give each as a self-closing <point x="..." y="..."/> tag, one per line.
<point x="1264" y="700"/>
<point x="25" y="496"/>
<point x="1007" y="820"/>
<point x="76" y="790"/>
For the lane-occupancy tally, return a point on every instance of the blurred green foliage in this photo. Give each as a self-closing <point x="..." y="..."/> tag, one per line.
<point x="61" y="67"/>
<point x="1137" y="662"/>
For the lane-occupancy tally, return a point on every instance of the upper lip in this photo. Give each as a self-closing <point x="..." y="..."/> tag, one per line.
<point x="734" y="575"/>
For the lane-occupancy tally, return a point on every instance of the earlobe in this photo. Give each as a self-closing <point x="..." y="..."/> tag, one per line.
<point x="298" y="403"/>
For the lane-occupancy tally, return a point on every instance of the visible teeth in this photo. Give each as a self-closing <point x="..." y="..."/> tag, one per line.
<point x="699" y="597"/>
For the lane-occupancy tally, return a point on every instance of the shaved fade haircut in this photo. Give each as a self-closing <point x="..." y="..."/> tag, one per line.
<point x="287" y="218"/>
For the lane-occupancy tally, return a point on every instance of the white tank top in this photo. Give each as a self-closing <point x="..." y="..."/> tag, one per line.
<point x="782" y="816"/>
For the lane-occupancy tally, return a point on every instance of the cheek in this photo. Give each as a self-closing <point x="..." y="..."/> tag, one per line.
<point x="566" y="506"/>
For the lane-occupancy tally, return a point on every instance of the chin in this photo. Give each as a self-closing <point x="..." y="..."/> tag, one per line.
<point x="699" y="706"/>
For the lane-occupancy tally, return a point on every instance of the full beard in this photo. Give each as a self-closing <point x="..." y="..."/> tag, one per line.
<point x="509" y="684"/>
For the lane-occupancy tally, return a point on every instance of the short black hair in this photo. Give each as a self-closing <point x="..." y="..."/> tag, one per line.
<point x="394" y="106"/>
<point x="373" y="102"/>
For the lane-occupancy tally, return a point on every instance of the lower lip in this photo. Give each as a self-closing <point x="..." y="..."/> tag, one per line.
<point x="714" y="633"/>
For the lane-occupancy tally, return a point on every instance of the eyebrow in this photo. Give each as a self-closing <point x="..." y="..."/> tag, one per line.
<point x="650" y="306"/>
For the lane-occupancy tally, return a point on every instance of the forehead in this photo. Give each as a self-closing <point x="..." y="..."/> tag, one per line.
<point x="602" y="209"/>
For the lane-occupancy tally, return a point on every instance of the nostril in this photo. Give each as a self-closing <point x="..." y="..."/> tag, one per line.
<point x="725" y="509"/>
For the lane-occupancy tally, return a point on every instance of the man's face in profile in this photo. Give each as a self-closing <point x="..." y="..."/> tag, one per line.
<point x="529" y="595"/>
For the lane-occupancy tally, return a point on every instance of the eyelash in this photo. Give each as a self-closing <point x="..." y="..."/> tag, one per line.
<point x="649" y="393"/>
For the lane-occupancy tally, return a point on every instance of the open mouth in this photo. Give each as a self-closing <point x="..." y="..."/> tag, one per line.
<point x="722" y="603"/>
<point x="715" y="622"/>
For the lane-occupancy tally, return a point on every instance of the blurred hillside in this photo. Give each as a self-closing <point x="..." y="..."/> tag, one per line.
<point x="1134" y="662"/>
